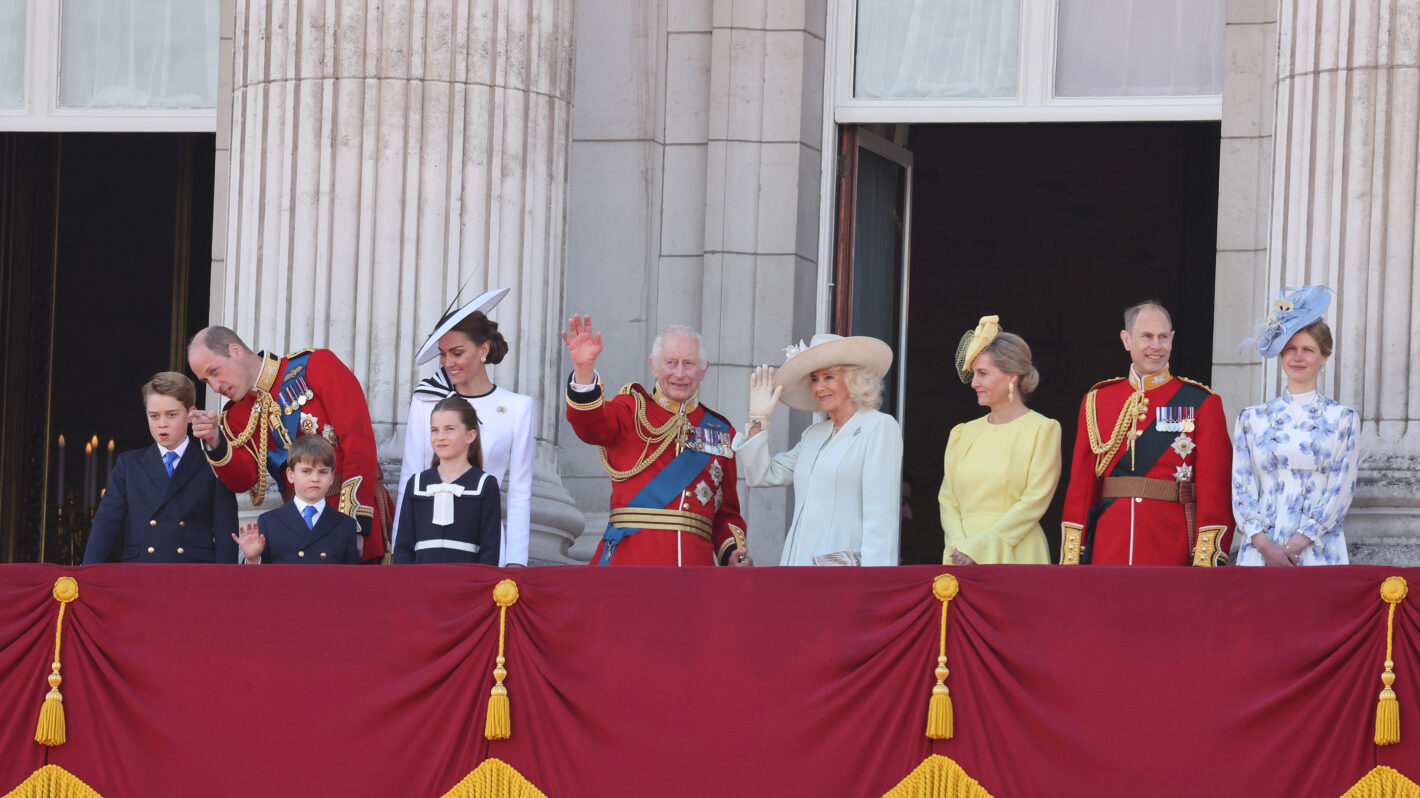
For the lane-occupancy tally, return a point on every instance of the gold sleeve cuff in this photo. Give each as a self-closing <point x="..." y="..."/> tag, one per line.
<point x="226" y="456"/>
<point x="1205" y="553"/>
<point x="592" y="405"/>
<point x="1072" y="540"/>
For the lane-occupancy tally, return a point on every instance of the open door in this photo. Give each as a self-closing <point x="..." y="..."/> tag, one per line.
<point x="872" y="249"/>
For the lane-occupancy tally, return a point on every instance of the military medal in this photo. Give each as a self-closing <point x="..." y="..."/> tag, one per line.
<point x="1173" y="419"/>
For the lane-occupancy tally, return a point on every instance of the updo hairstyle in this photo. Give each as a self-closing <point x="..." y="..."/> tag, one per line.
<point x="1011" y="354"/>
<point x="481" y="330"/>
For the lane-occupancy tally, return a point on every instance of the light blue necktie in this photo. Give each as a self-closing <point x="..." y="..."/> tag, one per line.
<point x="310" y="514"/>
<point x="170" y="460"/>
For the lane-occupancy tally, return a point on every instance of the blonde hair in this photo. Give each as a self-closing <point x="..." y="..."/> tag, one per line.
<point x="865" y="386"/>
<point x="1011" y="354"/>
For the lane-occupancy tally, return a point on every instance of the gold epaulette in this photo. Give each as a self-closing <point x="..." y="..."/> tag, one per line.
<point x="1196" y="382"/>
<point x="1102" y="383"/>
<point x="300" y="352"/>
<point x="626" y="389"/>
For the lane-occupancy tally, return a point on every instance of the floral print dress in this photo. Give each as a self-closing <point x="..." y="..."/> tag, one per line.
<point x="1294" y="470"/>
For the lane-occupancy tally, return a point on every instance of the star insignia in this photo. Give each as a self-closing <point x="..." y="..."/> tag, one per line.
<point x="716" y="472"/>
<point x="1183" y="473"/>
<point x="702" y="492"/>
<point x="719" y="499"/>
<point x="1183" y="445"/>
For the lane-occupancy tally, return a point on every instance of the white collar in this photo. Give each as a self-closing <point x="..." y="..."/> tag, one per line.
<point x="180" y="449"/>
<point x="302" y="504"/>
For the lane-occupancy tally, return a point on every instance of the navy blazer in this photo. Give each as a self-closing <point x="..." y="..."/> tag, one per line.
<point x="288" y="540"/>
<point x="188" y="517"/>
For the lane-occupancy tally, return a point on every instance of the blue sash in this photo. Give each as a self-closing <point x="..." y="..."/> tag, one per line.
<point x="666" y="485"/>
<point x="276" y="457"/>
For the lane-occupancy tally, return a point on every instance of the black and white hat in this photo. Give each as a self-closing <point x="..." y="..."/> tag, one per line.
<point x="481" y="304"/>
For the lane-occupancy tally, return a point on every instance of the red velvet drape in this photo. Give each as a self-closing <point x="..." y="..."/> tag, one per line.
<point x="1096" y="681"/>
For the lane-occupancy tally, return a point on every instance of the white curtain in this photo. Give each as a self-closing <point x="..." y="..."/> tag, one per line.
<point x="138" y="53"/>
<point x="937" y="48"/>
<point x="1139" y="48"/>
<point x="12" y="53"/>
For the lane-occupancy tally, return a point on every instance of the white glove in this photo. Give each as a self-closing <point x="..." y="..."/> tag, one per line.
<point x="763" y="396"/>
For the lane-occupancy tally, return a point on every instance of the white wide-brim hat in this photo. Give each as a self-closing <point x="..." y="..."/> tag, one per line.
<point x="481" y="304"/>
<point x="827" y="350"/>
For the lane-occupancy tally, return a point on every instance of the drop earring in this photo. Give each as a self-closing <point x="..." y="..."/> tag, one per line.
<point x="1011" y="391"/>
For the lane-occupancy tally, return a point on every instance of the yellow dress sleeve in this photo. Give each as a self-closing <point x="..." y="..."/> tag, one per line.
<point x="997" y="542"/>
<point x="947" y="499"/>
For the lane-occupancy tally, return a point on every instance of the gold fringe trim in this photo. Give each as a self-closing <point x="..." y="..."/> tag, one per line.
<point x="494" y="778"/>
<point x="1393" y="591"/>
<point x="1383" y="782"/>
<point x="499" y="724"/>
<point x="939" y="777"/>
<point x="940" y="723"/>
<point x="52" y="781"/>
<point x="50" y="729"/>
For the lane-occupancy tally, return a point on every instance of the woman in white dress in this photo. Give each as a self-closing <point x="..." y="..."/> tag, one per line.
<point x="1294" y="458"/>
<point x="466" y="342"/>
<point x="847" y="469"/>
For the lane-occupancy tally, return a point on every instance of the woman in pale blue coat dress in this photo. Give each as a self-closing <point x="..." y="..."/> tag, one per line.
<point x="847" y="469"/>
<point x="1294" y="458"/>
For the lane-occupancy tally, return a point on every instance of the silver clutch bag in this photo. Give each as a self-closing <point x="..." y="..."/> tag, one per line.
<point x="839" y="558"/>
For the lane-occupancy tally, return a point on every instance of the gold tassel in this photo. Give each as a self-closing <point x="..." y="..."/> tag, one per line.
<point x="938" y="777"/>
<point x="1393" y="590"/>
<point x="499" y="724"/>
<point x="50" y="729"/>
<point x="940" y="723"/>
<point x="494" y="778"/>
<point x="1383" y="782"/>
<point x="52" y="781"/>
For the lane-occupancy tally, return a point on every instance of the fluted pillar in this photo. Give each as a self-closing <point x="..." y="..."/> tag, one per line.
<point x="1345" y="214"/>
<point x="380" y="156"/>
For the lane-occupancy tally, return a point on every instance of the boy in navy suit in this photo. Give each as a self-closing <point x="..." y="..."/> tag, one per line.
<point x="306" y="529"/>
<point x="163" y="501"/>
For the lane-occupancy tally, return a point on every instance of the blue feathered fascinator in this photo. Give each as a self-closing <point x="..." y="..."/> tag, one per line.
<point x="1297" y="308"/>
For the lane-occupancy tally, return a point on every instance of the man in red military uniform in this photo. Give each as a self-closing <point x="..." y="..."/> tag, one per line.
<point x="673" y="497"/>
<point x="274" y="400"/>
<point x="1151" y="474"/>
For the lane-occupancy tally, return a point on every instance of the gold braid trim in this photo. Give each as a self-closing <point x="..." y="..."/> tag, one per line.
<point x="255" y="438"/>
<point x="660" y="437"/>
<point x="1105" y="450"/>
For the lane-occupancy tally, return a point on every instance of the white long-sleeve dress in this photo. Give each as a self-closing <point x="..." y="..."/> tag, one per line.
<point x="847" y="487"/>
<point x="1294" y="470"/>
<point x="506" y="435"/>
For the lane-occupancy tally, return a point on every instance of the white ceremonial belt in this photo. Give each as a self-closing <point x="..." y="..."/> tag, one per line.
<point x="444" y="543"/>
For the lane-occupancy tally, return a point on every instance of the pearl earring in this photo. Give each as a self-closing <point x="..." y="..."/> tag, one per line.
<point x="482" y="359"/>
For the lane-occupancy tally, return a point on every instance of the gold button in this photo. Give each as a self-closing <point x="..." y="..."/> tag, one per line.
<point x="322" y="555"/>
<point x="300" y="554"/>
<point x="154" y="522"/>
<point x="182" y="523"/>
<point x="151" y="549"/>
<point x="179" y="549"/>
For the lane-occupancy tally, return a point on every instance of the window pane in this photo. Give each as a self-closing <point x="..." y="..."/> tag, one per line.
<point x="1139" y="48"/>
<point x="138" y="54"/>
<point x="937" y="48"/>
<point x="12" y="53"/>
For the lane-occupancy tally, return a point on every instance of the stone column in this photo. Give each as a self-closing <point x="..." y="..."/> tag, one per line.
<point x="695" y="201"/>
<point x="380" y="155"/>
<point x="1345" y="214"/>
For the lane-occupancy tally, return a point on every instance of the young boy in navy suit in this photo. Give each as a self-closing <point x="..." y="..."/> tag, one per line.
<point x="306" y="529"/>
<point x="163" y="501"/>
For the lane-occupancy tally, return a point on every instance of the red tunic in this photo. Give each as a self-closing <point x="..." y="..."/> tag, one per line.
<point x="1144" y="531"/>
<point x="336" y="410"/>
<point x="711" y="494"/>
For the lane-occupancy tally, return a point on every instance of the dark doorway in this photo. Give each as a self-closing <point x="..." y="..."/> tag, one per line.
<point x="1056" y="228"/>
<point x="105" y="252"/>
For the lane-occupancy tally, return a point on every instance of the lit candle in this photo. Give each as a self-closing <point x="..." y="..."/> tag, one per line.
<point x="60" y="502"/>
<point x="88" y="474"/>
<point x="109" y="470"/>
<point x="94" y="473"/>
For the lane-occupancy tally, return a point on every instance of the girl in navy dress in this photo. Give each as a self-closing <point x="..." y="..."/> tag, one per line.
<point x="450" y="511"/>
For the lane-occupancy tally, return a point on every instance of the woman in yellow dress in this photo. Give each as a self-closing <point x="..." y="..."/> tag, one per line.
<point x="1000" y="471"/>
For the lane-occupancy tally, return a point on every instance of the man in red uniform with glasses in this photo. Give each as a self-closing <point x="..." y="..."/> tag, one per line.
<point x="673" y="497"/>
<point x="1151" y="474"/>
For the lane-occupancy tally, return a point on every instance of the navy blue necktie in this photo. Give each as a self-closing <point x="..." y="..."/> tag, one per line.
<point x="310" y="514"/>
<point x="170" y="461"/>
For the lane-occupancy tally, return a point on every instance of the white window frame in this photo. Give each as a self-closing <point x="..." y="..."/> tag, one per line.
<point x="1035" y="99"/>
<point x="41" y="110"/>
